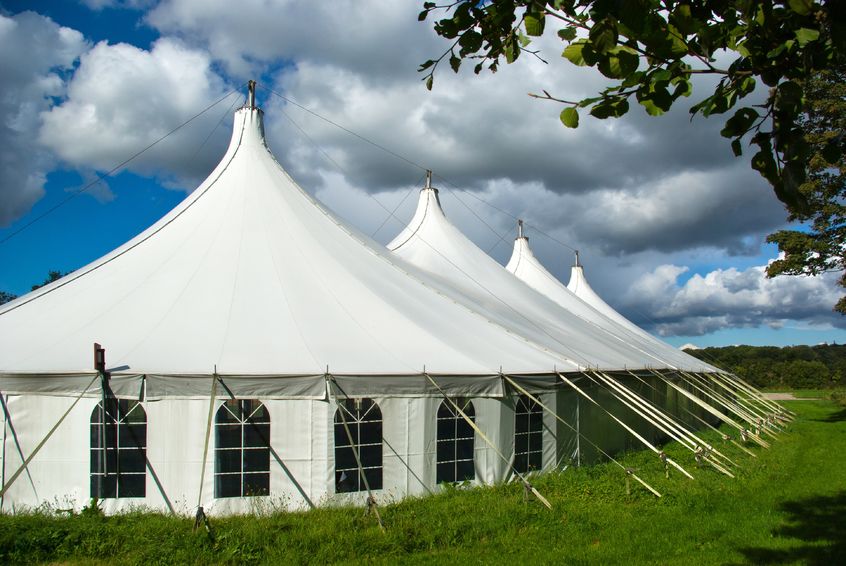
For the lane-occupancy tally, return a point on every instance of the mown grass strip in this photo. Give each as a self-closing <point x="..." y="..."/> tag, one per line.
<point x="788" y="505"/>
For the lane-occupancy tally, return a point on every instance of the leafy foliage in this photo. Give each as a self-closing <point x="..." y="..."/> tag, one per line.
<point x="797" y="367"/>
<point x="819" y="248"/>
<point x="5" y="297"/>
<point x="52" y="275"/>
<point x="652" y="48"/>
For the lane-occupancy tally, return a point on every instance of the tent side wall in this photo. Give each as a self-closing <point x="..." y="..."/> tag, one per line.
<point x="302" y="459"/>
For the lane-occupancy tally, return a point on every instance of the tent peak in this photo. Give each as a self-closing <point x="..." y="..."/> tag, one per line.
<point x="520" y="235"/>
<point x="251" y="94"/>
<point x="578" y="263"/>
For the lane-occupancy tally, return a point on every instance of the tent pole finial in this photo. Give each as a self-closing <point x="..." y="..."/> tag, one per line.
<point x="251" y="94"/>
<point x="578" y="263"/>
<point x="428" y="178"/>
<point x="519" y="228"/>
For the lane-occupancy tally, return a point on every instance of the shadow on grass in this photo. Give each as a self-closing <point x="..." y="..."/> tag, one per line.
<point x="818" y="523"/>
<point x="835" y="417"/>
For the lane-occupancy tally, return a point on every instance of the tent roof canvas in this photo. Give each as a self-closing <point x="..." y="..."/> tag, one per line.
<point x="251" y="276"/>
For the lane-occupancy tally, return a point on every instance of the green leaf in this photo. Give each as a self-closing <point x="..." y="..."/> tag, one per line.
<point x="573" y="53"/>
<point x="651" y="108"/>
<point x="470" y="42"/>
<point x="567" y="34"/>
<point x="534" y="24"/>
<point x="805" y="35"/>
<point x="736" y="147"/>
<point x="801" y="7"/>
<point x="740" y="123"/>
<point x="425" y="65"/>
<point x="618" y="65"/>
<point x="512" y="50"/>
<point x="429" y="81"/>
<point x="570" y="117"/>
<point x="455" y="63"/>
<point x="603" y="35"/>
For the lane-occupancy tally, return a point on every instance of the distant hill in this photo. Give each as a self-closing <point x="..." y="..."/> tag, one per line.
<point x="802" y="367"/>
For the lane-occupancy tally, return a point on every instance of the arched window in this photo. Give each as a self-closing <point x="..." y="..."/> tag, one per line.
<point x="118" y="449"/>
<point x="455" y="442"/>
<point x="242" y="449"/>
<point x="364" y="421"/>
<point x="528" y="435"/>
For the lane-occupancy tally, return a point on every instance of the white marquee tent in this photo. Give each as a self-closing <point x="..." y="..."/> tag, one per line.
<point x="256" y="346"/>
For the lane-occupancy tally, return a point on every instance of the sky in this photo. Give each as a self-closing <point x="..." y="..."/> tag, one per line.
<point x="670" y="226"/>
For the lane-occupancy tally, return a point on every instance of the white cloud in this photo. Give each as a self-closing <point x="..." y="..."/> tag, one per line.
<point x="373" y="37"/>
<point x="123" y="98"/>
<point x="732" y="297"/>
<point x="35" y="54"/>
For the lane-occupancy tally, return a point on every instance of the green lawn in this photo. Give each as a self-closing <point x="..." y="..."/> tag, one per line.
<point x="786" y="506"/>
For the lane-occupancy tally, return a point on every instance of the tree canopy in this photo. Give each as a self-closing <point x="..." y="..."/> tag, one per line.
<point x="819" y="248"/>
<point x="651" y="49"/>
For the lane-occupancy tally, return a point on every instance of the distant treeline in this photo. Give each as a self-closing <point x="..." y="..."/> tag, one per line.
<point x="799" y="367"/>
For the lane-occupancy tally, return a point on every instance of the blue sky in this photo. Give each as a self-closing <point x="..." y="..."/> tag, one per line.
<point x="670" y="225"/>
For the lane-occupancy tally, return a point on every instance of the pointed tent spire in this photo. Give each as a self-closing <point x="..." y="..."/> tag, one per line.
<point x="578" y="264"/>
<point x="520" y="229"/>
<point x="251" y="94"/>
<point x="428" y="178"/>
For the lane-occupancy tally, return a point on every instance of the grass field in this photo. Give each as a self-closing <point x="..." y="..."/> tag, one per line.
<point x="787" y="506"/>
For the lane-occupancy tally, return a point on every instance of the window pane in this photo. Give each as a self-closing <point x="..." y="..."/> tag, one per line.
<point x="227" y="435"/>
<point x="341" y="436"/>
<point x="463" y="429"/>
<point x="521" y="423"/>
<point x="464" y="449"/>
<point x="521" y="444"/>
<point x="465" y="471"/>
<point x="103" y="486"/>
<point x="346" y="481"/>
<point x="227" y="485"/>
<point x="95" y="436"/>
<point x="446" y="472"/>
<point x="446" y="429"/>
<point x="135" y="413"/>
<point x="344" y="459"/>
<point x="257" y="434"/>
<point x="111" y="435"/>
<point x="228" y="412"/>
<point x="132" y="485"/>
<point x="256" y="484"/>
<point x="134" y="435"/>
<point x="535" y="461"/>
<point x="536" y="421"/>
<point x="132" y="460"/>
<point x="371" y="456"/>
<point x="371" y="433"/>
<point x="374" y="477"/>
<point x="535" y="441"/>
<point x="446" y="450"/>
<point x="521" y="462"/>
<point x="257" y="460"/>
<point x="468" y="409"/>
<point x="227" y="461"/>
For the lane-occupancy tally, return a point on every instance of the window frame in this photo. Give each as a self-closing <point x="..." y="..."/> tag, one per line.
<point x="363" y="417"/>
<point x="528" y="442"/>
<point x="453" y="436"/>
<point x="118" y="454"/>
<point x="242" y="449"/>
